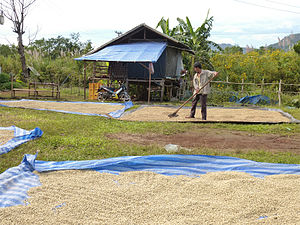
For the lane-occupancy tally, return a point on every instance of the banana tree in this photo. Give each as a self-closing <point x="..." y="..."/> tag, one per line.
<point x="197" y="39"/>
<point x="165" y="27"/>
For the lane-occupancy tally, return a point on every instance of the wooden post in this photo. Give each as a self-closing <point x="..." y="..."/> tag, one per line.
<point x="79" y="80"/>
<point x="162" y="90"/>
<point x="127" y="85"/>
<point x="279" y="94"/>
<point x="12" y="85"/>
<point x="243" y="86"/>
<point x="52" y="91"/>
<point x="94" y="70"/>
<point x="149" y="91"/>
<point x="227" y="82"/>
<point x="84" y="81"/>
<point x="35" y="93"/>
<point x="262" y="86"/>
<point x="29" y="84"/>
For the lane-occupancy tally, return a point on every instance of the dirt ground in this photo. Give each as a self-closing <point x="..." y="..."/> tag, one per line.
<point x="221" y="140"/>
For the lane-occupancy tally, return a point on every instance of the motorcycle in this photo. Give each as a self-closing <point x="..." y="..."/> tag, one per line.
<point x="108" y="93"/>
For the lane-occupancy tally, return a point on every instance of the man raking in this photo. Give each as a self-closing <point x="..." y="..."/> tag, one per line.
<point x="201" y="81"/>
<point x="200" y="78"/>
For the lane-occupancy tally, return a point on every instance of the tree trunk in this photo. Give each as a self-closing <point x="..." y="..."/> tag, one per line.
<point x="22" y="56"/>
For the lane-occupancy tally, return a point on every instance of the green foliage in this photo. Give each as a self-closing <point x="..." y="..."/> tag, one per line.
<point x="296" y="102"/>
<point x="196" y="39"/>
<point x="6" y="50"/>
<point x="5" y="82"/>
<point x="52" y="58"/>
<point x="165" y="27"/>
<point x="297" y="47"/>
<point x="291" y="100"/>
<point x="4" y="78"/>
<point x="60" y="47"/>
<point x="270" y="66"/>
<point x="233" y="50"/>
<point x="10" y="64"/>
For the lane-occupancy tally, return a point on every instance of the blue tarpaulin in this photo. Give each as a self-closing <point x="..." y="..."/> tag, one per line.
<point x="131" y="52"/>
<point x="114" y="114"/>
<point x="20" y="136"/>
<point x="16" y="181"/>
<point x="255" y="99"/>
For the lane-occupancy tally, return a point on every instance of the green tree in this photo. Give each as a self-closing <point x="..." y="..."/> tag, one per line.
<point x="61" y="46"/>
<point x="233" y="50"/>
<point x="297" y="47"/>
<point x="6" y="50"/>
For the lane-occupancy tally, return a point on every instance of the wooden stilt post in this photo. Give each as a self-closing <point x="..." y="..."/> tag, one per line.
<point x="149" y="88"/>
<point x="127" y="84"/>
<point x="162" y="90"/>
<point x="84" y="80"/>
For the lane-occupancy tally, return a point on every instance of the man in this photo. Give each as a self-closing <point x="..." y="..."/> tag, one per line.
<point x="200" y="78"/>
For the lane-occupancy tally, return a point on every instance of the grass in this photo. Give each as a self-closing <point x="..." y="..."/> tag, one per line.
<point x="77" y="137"/>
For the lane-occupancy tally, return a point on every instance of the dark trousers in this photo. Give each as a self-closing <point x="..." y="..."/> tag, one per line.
<point x="203" y="100"/>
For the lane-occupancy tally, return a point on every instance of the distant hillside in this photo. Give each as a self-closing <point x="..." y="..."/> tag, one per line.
<point x="224" y="45"/>
<point x="287" y="42"/>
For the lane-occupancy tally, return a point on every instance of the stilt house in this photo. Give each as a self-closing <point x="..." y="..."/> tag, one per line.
<point x="142" y="56"/>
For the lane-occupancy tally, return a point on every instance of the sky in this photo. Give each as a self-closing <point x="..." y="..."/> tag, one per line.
<point x="239" y="22"/>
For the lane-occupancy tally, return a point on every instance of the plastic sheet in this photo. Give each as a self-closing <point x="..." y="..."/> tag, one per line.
<point x="15" y="182"/>
<point x="20" y="136"/>
<point x="189" y="165"/>
<point x="114" y="114"/>
<point x="131" y="52"/>
<point x="255" y="99"/>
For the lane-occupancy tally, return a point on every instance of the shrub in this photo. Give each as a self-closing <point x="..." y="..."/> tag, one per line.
<point x="4" y="78"/>
<point x="5" y="82"/>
